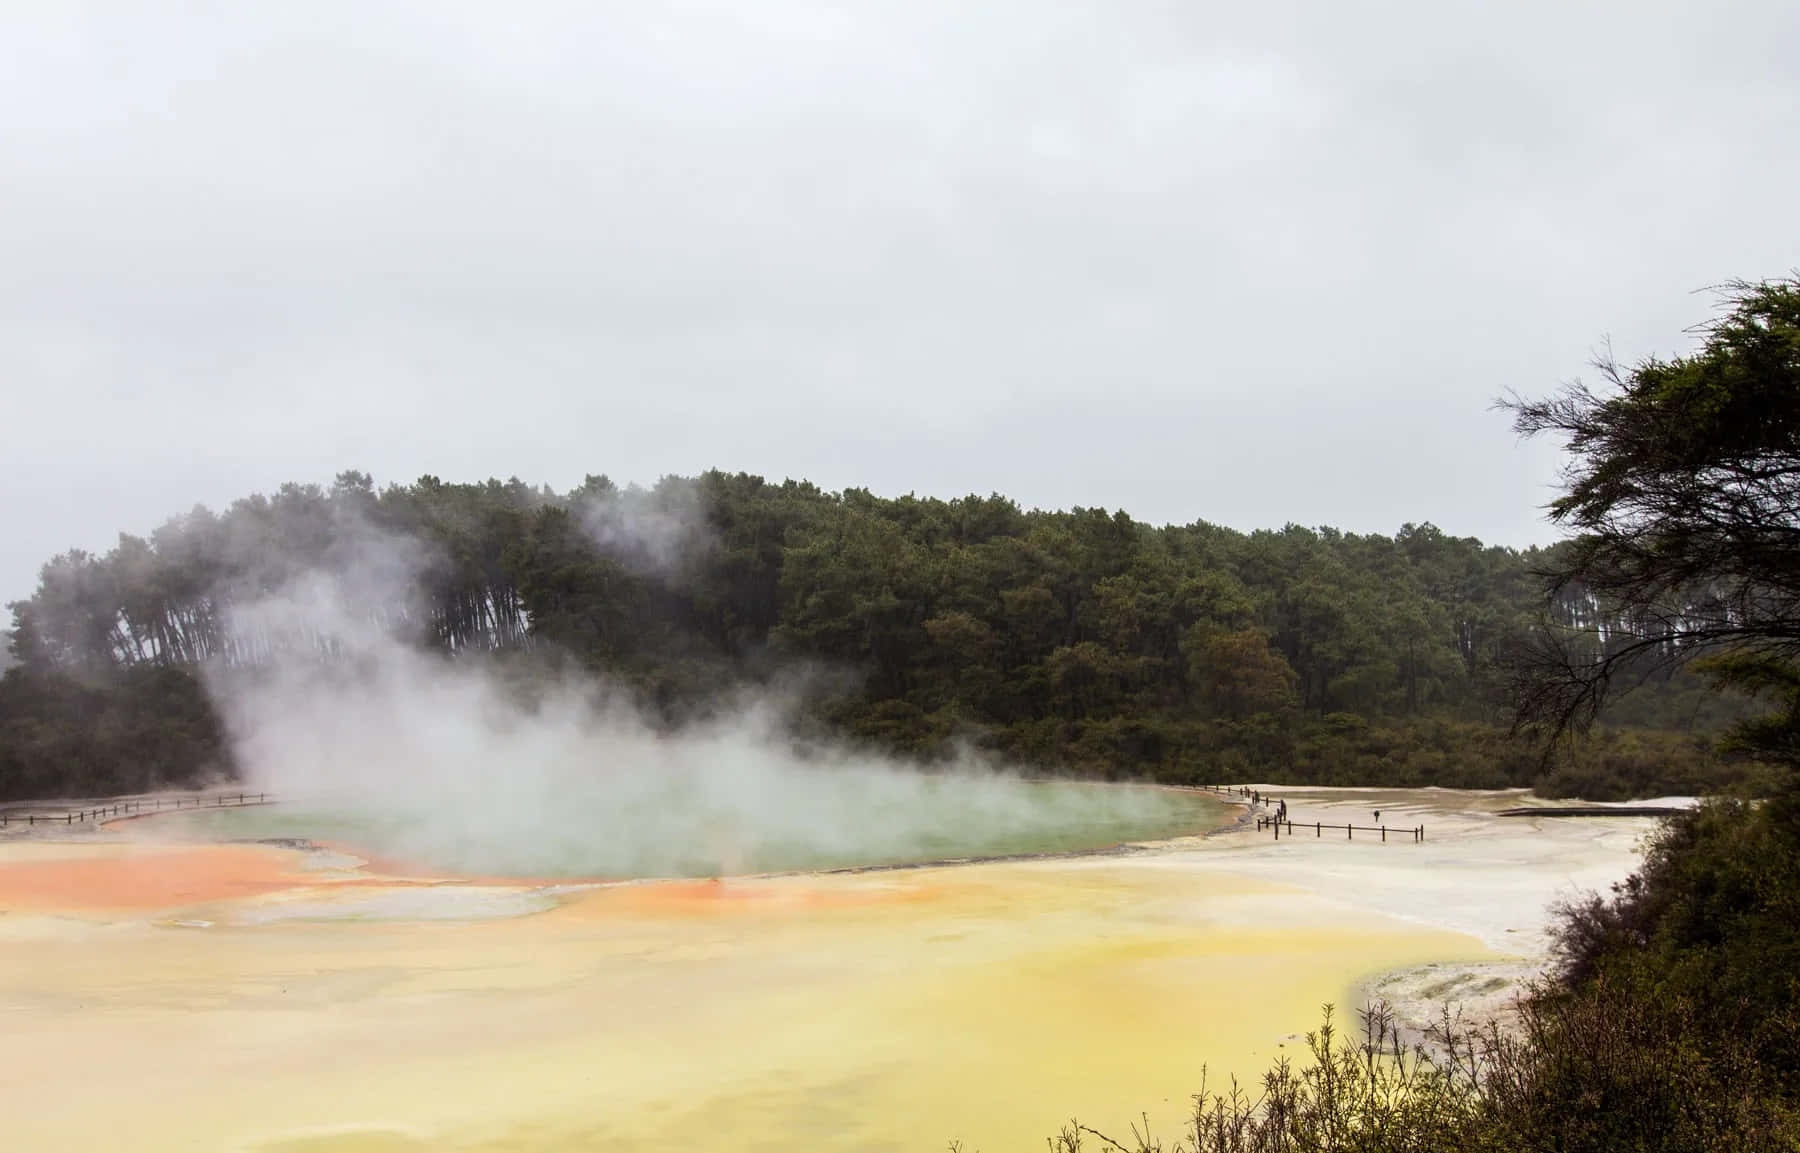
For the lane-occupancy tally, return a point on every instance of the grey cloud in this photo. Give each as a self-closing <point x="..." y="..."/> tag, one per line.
<point x="1251" y="263"/>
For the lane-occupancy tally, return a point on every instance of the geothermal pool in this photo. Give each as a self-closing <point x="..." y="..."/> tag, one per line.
<point x="845" y="820"/>
<point x="160" y="990"/>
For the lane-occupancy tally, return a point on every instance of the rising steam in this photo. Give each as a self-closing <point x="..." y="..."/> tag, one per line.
<point x="438" y="762"/>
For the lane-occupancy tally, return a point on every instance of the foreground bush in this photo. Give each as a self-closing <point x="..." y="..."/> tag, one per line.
<point x="1613" y="1065"/>
<point x="1376" y="1093"/>
<point x="1592" y="1072"/>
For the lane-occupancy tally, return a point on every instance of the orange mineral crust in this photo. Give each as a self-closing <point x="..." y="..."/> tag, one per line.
<point x="143" y="877"/>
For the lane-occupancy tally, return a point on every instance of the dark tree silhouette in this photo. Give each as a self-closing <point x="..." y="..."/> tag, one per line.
<point x="1683" y="487"/>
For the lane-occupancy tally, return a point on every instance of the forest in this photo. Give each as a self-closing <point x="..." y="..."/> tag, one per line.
<point x="1081" y="641"/>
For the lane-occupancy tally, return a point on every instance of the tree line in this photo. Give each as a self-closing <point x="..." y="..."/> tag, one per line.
<point x="1080" y="640"/>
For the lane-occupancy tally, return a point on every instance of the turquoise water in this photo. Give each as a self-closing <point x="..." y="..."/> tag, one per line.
<point x="848" y="821"/>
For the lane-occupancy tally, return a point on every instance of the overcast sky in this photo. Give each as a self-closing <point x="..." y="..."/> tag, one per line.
<point x="1249" y="263"/>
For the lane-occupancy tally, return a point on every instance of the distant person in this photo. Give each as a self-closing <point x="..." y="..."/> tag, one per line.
<point x="1378" y="816"/>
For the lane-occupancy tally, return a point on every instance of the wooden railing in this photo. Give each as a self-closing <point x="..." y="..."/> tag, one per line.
<point x="51" y="815"/>
<point x="1416" y="832"/>
<point x="1258" y="798"/>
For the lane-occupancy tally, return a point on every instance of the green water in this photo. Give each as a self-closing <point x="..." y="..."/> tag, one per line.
<point x="846" y="823"/>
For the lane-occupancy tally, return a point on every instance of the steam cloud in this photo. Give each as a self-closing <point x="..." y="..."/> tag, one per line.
<point x="437" y="762"/>
<point x="649" y="531"/>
